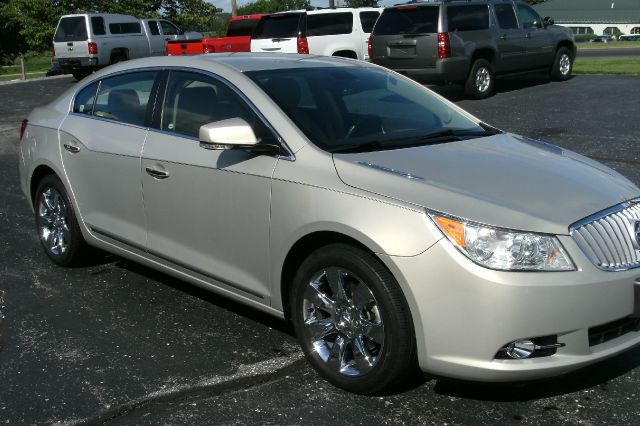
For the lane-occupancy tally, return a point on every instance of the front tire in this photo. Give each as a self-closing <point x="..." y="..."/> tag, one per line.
<point x="562" y="65"/>
<point x="352" y="320"/>
<point x="481" y="80"/>
<point x="57" y="225"/>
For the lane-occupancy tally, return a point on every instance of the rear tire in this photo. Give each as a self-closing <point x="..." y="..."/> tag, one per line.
<point x="80" y="74"/>
<point x="117" y="59"/>
<point x="481" y="80"/>
<point x="562" y="65"/>
<point x="57" y="225"/>
<point x="352" y="320"/>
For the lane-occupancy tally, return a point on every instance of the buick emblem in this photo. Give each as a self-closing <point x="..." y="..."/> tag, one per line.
<point x="634" y="229"/>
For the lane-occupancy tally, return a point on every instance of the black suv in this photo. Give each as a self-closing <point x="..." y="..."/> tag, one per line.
<point x="470" y="42"/>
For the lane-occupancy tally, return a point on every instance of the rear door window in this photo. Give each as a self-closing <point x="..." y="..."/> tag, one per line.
<point x="124" y="98"/>
<point x="408" y="20"/>
<point x="73" y="28"/>
<point x="324" y="24"/>
<point x="242" y="27"/>
<point x="468" y="18"/>
<point x="282" y="25"/>
<point x="506" y="16"/>
<point x="368" y="20"/>
<point x="83" y="103"/>
<point x="153" y="27"/>
<point x="97" y="25"/>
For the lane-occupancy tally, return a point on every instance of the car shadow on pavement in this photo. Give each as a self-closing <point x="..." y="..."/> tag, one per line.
<point x="595" y="375"/>
<point x="208" y="296"/>
<point x="455" y="92"/>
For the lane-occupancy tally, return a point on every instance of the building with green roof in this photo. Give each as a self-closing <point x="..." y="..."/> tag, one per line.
<point x="594" y="16"/>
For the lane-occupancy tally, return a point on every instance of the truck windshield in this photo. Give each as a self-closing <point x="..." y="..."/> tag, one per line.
<point x="73" y="28"/>
<point x="281" y="25"/>
<point x="241" y="28"/>
<point x="352" y="109"/>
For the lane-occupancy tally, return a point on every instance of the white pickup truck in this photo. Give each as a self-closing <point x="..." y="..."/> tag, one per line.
<point x="85" y="42"/>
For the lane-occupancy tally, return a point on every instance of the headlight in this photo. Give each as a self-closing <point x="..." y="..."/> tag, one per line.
<point x="504" y="249"/>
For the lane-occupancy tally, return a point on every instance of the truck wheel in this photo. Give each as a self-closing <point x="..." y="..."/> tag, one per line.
<point x="481" y="80"/>
<point x="117" y="59"/>
<point x="562" y="65"/>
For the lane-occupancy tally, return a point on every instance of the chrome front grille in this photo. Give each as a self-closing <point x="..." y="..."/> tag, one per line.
<point x="611" y="239"/>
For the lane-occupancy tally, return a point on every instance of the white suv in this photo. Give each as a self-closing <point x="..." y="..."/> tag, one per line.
<point x="330" y="32"/>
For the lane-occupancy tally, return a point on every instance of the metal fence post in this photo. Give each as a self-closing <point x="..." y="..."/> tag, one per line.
<point x="24" y="74"/>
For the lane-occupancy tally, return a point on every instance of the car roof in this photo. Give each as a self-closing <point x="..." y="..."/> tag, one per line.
<point x="238" y="61"/>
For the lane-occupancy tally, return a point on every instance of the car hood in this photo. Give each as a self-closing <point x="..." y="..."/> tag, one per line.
<point x="503" y="180"/>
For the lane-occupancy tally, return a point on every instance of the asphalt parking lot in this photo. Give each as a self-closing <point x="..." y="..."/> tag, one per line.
<point x="119" y="343"/>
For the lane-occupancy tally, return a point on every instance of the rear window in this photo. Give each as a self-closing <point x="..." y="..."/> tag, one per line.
<point x="97" y="25"/>
<point x="242" y="28"/>
<point x="468" y="18"/>
<point x="324" y="24"/>
<point x="125" y="28"/>
<point x="71" y="29"/>
<point x="278" y="26"/>
<point x="408" y="20"/>
<point x="368" y="20"/>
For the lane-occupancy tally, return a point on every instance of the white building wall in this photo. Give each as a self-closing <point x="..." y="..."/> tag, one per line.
<point x="598" y="29"/>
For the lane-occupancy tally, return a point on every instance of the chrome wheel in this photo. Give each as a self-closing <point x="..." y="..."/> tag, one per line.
<point x="483" y="79"/>
<point x="565" y="64"/>
<point x="342" y="322"/>
<point x="53" y="222"/>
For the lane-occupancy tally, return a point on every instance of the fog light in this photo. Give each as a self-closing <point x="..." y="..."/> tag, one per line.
<point x="521" y="349"/>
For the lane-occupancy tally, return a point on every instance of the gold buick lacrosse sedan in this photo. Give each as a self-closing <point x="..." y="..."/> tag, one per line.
<point x="395" y="230"/>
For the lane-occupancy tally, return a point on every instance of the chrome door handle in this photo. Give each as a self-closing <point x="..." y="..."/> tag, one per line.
<point x="71" y="148"/>
<point x="503" y="37"/>
<point x="528" y="35"/>
<point x="158" y="174"/>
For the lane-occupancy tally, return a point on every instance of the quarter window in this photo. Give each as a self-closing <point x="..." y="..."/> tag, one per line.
<point x="324" y="24"/>
<point x="506" y="16"/>
<point x="368" y="20"/>
<point x="125" y="28"/>
<point x="193" y="100"/>
<point x="528" y="16"/>
<point x="85" y="98"/>
<point x="124" y="98"/>
<point x="97" y="24"/>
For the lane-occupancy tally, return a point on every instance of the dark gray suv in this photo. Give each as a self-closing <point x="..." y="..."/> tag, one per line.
<point x="470" y="42"/>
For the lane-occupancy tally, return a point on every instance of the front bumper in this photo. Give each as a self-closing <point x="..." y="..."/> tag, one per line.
<point x="464" y="313"/>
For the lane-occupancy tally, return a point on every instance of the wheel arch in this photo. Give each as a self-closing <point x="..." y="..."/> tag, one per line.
<point x="345" y="53"/>
<point x="483" y="52"/>
<point x="39" y="173"/>
<point x="119" y="52"/>
<point x="569" y="45"/>
<point x="302" y="248"/>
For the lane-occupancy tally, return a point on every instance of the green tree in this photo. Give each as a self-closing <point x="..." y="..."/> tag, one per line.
<point x="362" y="3"/>
<point x="270" y="6"/>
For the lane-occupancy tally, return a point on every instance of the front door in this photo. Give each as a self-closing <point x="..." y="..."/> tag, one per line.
<point x="208" y="210"/>
<point x="101" y="143"/>
<point x="538" y="40"/>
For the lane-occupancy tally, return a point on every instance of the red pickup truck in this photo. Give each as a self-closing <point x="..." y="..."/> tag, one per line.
<point x="238" y="39"/>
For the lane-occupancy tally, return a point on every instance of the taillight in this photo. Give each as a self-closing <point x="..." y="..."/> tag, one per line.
<point x="303" y="45"/>
<point x="444" y="46"/>
<point x="93" y="48"/>
<point x="369" y="48"/>
<point x="23" y="127"/>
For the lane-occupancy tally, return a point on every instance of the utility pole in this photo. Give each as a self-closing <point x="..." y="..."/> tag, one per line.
<point x="331" y="4"/>
<point x="234" y="8"/>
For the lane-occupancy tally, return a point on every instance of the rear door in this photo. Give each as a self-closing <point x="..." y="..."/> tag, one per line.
<point x="278" y="33"/>
<point x="157" y="42"/>
<point x="406" y="37"/>
<point x="71" y="37"/>
<point x="511" y="50"/>
<point x="101" y="143"/>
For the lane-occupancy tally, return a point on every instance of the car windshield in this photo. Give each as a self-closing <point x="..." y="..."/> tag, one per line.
<point x="355" y="109"/>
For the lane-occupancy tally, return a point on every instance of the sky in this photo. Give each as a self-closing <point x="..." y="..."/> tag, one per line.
<point x="226" y="4"/>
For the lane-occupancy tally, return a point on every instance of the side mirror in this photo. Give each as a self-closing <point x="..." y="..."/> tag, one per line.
<point x="548" y="21"/>
<point x="537" y="24"/>
<point x="234" y="133"/>
<point x="227" y="134"/>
